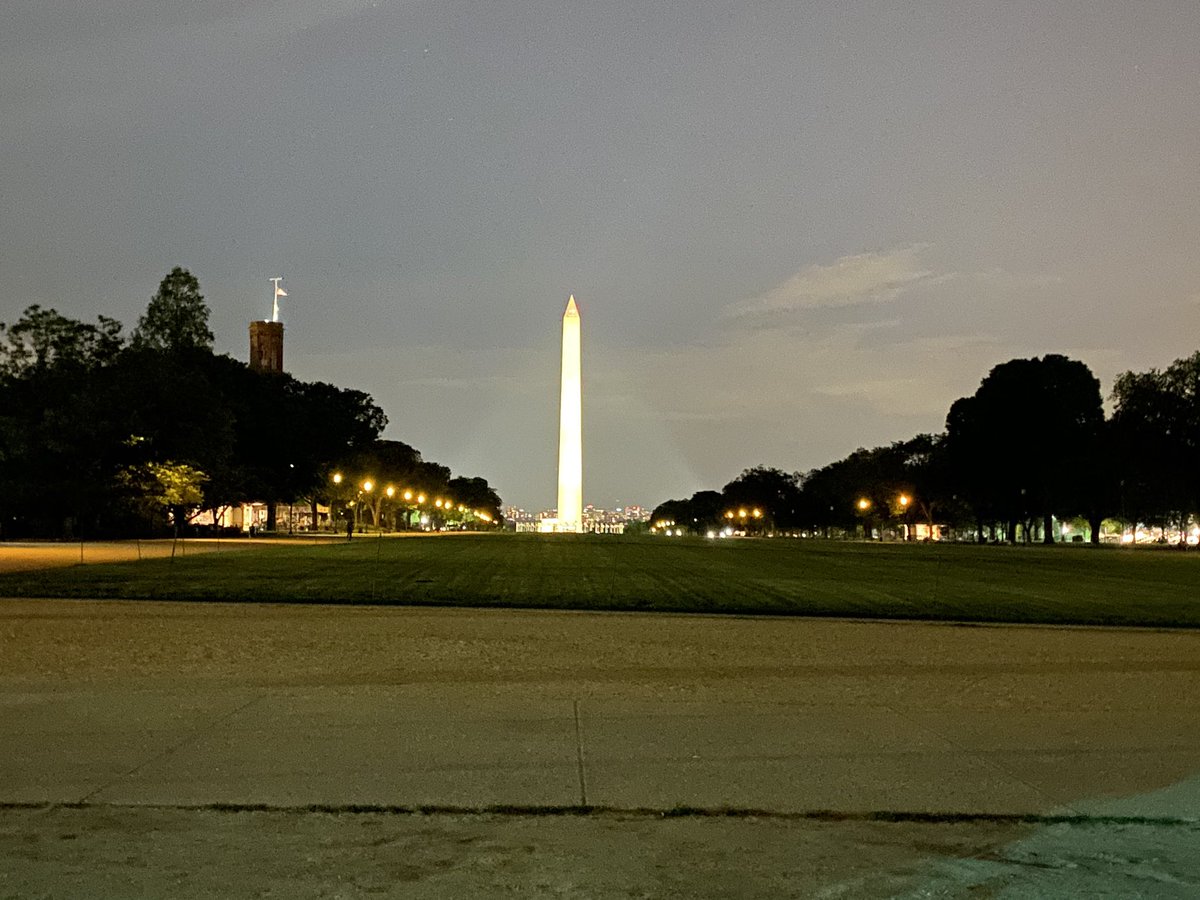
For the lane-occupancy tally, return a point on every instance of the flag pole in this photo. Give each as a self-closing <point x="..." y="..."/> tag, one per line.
<point x="275" y="298"/>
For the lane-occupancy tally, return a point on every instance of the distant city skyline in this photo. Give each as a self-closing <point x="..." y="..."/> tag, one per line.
<point x="797" y="228"/>
<point x="594" y="519"/>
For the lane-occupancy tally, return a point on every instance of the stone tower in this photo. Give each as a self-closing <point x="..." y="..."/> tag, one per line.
<point x="266" y="347"/>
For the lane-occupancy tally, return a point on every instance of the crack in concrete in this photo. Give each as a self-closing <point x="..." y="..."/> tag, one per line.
<point x="178" y="745"/>
<point x="579" y="757"/>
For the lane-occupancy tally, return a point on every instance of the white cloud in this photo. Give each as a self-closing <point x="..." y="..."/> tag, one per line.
<point x="861" y="278"/>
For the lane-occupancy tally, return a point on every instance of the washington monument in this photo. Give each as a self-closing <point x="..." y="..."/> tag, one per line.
<point x="570" y="427"/>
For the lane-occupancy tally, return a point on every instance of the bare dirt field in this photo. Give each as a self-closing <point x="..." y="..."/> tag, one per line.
<point x="16" y="556"/>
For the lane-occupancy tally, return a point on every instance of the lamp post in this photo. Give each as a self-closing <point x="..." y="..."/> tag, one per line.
<point x="367" y="487"/>
<point x="333" y="499"/>
<point x="408" y="496"/>
<point x="864" y="508"/>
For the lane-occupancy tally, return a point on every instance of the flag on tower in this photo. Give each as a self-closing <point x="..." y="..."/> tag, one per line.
<point x="279" y="292"/>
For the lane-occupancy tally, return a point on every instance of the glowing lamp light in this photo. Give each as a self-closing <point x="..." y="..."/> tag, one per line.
<point x="904" y="500"/>
<point x="864" y="504"/>
<point x="337" y="477"/>
<point x="368" y="485"/>
<point x="391" y="491"/>
<point x="420" y="498"/>
<point x="408" y="495"/>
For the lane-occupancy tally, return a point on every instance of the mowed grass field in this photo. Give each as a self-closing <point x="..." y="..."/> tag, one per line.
<point x="778" y="577"/>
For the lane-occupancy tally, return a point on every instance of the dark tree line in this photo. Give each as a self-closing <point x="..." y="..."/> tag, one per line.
<point x="103" y="435"/>
<point x="1031" y="445"/>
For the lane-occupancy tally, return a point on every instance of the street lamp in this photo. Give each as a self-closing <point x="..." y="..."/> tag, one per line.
<point x="863" y="506"/>
<point x="904" y="500"/>
<point x="366" y="489"/>
<point x="333" y="499"/>
<point x="408" y="496"/>
<point x="390" y="491"/>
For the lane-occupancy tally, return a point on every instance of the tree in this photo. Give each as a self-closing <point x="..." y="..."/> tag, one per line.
<point x="43" y="340"/>
<point x="1156" y="439"/>
<point x="58" y="433"/>
<point x="176" y="318"/>
<point x="155" y="489"/>
<point x="476" y="495"/>
<point x="862" y="489"/>
<point x="775" y="492"/>
<point x="704" y="511"/>
<point x="1018" y="444"/>
<point x="928" y="480"/>
<point x="386" y="464"/>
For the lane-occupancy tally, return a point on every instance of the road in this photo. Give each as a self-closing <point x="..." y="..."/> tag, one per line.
<point x="190" y="708"/>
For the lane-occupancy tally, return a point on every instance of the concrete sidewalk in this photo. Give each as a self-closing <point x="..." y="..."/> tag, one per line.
<point x="426" y="745"/>
<point x="197" y="704"/>
<point x="155" y="716"/>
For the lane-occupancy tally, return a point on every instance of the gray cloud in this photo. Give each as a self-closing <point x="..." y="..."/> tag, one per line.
<point x="876" y="277"/>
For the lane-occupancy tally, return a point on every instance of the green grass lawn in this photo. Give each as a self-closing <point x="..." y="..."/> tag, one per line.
<point x="783" y="577"/>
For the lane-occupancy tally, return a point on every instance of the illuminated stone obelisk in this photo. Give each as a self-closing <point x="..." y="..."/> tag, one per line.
<point x="570" y="427"/>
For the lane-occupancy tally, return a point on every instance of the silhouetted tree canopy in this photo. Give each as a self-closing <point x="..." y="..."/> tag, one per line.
<point x="177" y="317"/>
<point x="1021" y="444"/>
<point x="100" y="436"/>
<point x="1155" y="433"/>
<point x="1030" y="445"/>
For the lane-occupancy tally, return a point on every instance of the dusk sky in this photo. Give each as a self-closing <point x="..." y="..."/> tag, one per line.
<point x="793" y="229"/>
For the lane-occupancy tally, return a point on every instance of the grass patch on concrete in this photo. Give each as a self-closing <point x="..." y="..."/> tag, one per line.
<point x="1078" y="585"/>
